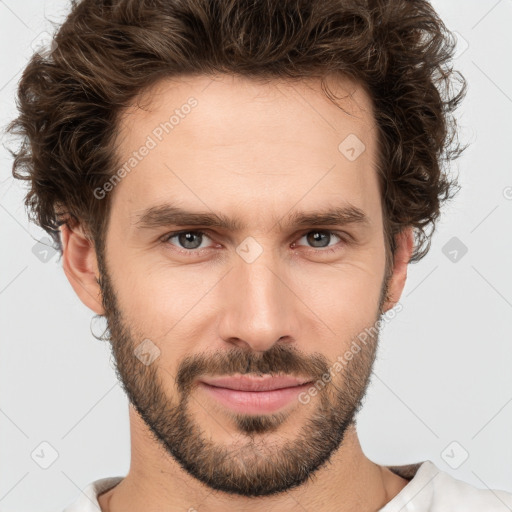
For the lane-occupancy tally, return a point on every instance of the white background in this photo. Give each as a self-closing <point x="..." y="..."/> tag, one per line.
<point x="444" y="367"/>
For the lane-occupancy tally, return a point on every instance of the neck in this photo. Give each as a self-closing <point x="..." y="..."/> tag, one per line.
<point x="349" y="482"/>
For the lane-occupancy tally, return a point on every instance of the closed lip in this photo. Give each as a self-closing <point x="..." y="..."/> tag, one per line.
<point x="263" y="383"/>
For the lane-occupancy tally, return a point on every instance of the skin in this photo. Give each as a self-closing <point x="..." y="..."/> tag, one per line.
<point x="254" y="152"/>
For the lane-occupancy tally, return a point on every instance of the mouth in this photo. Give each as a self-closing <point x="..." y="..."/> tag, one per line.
<point x="254" y="395"/>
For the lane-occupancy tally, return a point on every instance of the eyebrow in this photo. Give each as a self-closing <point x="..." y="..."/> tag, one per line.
<point x="169" y="215"/>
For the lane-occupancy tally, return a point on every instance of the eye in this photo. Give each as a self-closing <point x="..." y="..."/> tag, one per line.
<point x="319" y="239"/>
<point x="191" y="242"/>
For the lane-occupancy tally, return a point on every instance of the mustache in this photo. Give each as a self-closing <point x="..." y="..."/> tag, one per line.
<point x="277" y="360"/>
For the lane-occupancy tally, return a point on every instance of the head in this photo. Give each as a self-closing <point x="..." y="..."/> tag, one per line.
<point x="239" y="188"/>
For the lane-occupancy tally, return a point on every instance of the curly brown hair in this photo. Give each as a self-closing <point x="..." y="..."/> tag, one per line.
<point x="107" y="52"/>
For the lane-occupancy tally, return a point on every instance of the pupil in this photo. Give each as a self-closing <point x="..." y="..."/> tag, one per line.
<point x="185" y="238"/>
<point x="317" y="237"/>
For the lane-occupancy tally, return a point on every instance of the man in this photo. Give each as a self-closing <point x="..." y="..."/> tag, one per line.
<point x="238" y="187"/>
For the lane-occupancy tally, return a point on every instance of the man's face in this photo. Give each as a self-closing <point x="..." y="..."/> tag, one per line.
<point x="271" y="297"/>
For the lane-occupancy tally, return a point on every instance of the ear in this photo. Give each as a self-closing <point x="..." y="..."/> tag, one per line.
<point x="81" y="267"/>
<point x="404" y="248"/>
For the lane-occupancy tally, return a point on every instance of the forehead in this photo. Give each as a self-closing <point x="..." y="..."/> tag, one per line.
<point x="223" y="141"/>
<point x="266" y="104"/>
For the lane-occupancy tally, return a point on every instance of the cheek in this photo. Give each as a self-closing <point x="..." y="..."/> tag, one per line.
<point x="161" y="301"/>
<point x="344" y="299"/>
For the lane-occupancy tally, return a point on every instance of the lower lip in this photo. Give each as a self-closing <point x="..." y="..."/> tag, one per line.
<point x="255" y="402"/>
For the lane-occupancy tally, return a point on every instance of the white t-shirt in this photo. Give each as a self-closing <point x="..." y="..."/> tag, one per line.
<point x="429" y="490"/>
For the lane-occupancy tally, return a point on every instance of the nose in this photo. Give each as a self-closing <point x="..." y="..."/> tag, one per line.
<point x="259" y="308"/>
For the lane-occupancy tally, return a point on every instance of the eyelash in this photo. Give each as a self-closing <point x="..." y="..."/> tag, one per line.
<point x="198" y="252"/>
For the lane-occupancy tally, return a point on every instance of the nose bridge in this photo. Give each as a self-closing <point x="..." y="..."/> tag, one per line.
<point x="259" y="308"/>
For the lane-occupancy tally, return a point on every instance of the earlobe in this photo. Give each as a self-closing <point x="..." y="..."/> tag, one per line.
<point x="402" y="256"/>
<point x="80" y="266"/>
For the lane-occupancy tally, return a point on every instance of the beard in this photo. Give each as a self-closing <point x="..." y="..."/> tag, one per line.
<point x="252" y="465"/>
